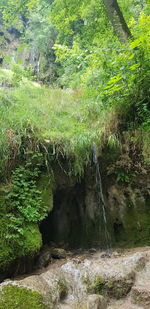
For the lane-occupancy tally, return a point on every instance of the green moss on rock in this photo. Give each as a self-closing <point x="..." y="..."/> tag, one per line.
<point x="45" y="185"/>
<point x="32" y="239"/>
<point x="12" y="249"/>
<point x="14" y="297"/>
<point x="112" y="287"/>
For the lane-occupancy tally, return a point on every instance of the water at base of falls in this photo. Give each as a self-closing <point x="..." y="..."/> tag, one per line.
<point x="101" y="202"/>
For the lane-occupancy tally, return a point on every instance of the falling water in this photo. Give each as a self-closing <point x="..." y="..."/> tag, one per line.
<point x="101" y="200"/>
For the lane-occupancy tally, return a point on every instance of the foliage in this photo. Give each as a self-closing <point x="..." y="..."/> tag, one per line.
<point x="114" y="78"/>
<point x="22" y="209"/>
<point x="39" y="116"/>
<point x="14" y="297"/>
<point x="12" y="248"/>
<point x="23" y="196"/>
<point x="105" y="93"/>
<point x="39" y="38"/>
<point x="12" y="8"/>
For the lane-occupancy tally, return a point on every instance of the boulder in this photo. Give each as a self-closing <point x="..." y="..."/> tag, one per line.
<point x="96" y="302"/>
<point x="58" y="253"/>
<point x="44" y="257"/>
<point x="141" y="296"/>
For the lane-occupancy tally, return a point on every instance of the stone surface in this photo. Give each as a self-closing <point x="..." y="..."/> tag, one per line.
<point x="58" y="253"/>
<point x="123" y="304"/>
<point x="140" y="292"/>
<point x="126" y="277"/>
<point x="96" y="302"/>
<point x="141" y="296"/>
<point x="44" y="257"/>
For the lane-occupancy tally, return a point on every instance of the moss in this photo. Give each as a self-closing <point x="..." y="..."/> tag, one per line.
<point x="97" y="287"/>
<point x="134" y="225"/>
<point x="45" y="185"/>
<point x="18" y="238"/>
<point x="10" y="250"/>
<point x="137" y="224"/>
<point x="117" y="289"/>
<point x="109" y="287"/>
<point x="14" y="297"/>
<point x="32" y="240"/>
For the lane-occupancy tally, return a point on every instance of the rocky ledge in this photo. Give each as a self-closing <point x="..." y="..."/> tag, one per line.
<point x="93" y="280"/>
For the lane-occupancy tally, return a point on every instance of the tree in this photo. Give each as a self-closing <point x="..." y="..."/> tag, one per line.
<point x="116" y="17"/>
<point x="12" y="9"/>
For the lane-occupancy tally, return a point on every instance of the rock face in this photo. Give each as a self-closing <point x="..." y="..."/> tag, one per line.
<point x="141" y="290"/>
<point x="77" y="216"/>
<point x="141" y="296"/>
<point x="96" y="302"/>
<point x="44" y="257"/>
<point x="91" y="282"/>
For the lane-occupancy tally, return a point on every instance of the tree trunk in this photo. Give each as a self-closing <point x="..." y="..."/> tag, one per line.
<point x="116" y="17"/>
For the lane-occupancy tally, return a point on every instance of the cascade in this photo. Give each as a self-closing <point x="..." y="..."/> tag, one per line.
<point x="101" y="200"/>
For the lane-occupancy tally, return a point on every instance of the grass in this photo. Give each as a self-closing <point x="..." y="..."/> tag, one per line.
<point x="61" y="122"/>
<point x="53" y="117"/>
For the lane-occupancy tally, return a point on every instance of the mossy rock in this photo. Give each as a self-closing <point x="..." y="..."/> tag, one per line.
<point x="45" y="185"/>
<point x="14" y="297"/>
<point x="28" y="245"/>
<point x="113" y="287"/>
<point x="32" y="240"/>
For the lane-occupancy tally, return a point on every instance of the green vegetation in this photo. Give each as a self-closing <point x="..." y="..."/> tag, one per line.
<point x="14" y="297"/>
<point x="62" y="288"/>
<point x="110" y="287"/>
<point x="67" y="82"/>
<point x="21" y="209"/>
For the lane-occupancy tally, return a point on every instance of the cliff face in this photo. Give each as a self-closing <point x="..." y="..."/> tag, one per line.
<point x="77" y="218"/>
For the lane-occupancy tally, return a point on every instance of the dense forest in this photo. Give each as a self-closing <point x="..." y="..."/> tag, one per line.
<point x="74" y="103"/>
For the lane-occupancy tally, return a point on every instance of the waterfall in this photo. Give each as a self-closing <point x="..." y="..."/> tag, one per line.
<point x="101" y="201"/>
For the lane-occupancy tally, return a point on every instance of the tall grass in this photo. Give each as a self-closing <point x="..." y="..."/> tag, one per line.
<point x="52" y="117"/>
<point x="62" y="123"/>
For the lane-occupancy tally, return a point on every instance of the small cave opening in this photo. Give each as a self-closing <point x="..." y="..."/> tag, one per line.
<point x="64" y="224"/>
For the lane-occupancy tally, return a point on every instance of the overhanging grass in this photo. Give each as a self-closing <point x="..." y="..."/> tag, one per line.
<point x="62" y="120"/>
<point x="53" y="117"/>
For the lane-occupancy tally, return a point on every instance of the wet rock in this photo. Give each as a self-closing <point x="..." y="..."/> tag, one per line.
<point x="96" y="302"/>
<point x="58" y="253"/>
<point x="115" y="254"/>
<point x="92" y="250"/>
<point x="140" y="292"/>
<point x="35" y="283"/>
<point x="113" y="276"/>
<point x="45" y="257"/>
<point x="123" y="304"/>
<point x="141" y="296"/>
<point x="115" y="286"/>
<point x="67" y="284"/>
<point x="106" y="255"/>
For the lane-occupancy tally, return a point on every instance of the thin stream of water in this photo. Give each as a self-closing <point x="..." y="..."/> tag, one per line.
<point x="101" y="200"/>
